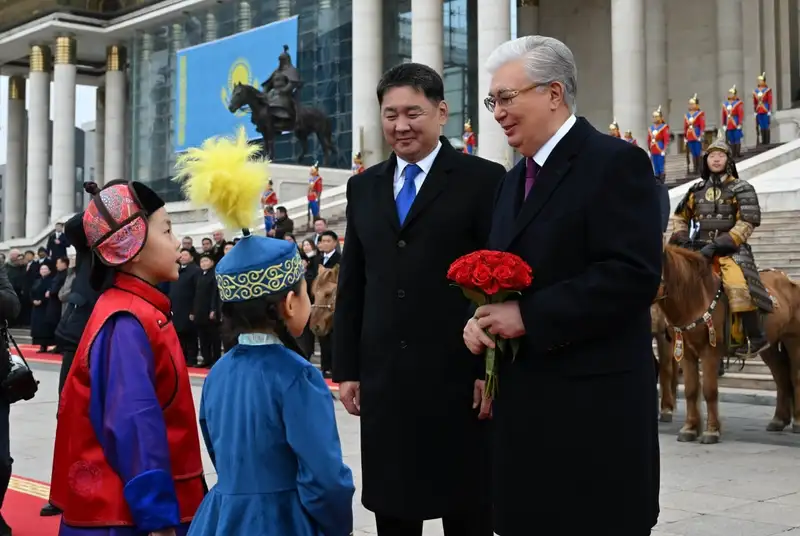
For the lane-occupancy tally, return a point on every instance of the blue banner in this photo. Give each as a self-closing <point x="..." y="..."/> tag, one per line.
<point x="207" y="74"/>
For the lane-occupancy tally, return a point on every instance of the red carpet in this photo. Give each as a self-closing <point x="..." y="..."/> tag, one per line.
<point x="21" y="509"/>
<point x="29" y="352"/>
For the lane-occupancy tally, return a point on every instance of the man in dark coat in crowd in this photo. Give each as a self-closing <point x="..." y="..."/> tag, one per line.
<point x="57" y="243"/>
<point x="207" y="311"/>
<point x="397" y="348"/>
<point x="181" y="294"/>
<point x="9" y="309"/>
<point x="582" y="211"/>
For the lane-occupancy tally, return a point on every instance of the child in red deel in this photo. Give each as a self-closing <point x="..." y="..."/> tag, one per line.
<point x="127" y="454"/>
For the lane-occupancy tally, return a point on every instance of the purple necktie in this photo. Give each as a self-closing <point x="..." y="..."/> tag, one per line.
<point x="531" y="168"/>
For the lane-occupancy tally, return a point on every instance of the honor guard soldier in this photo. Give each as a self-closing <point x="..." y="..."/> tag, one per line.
<point x="732" y="119"/>
<point x="468" y="138"/>
<point x="314" y="194"/>
<point x="762" y="106"/>
<point x="694" y="124"/>
<point x="657" y="141"/>
<point x="727" y="211"/>
<point x="629" y="138"/>
<point x="613" y="129"/>
<point x="358" y="164"/>
<point x="268" y="201"/>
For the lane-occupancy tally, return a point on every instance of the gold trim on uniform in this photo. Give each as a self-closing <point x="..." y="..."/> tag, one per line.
<point x="741" y="232"/>
<point x="260" y="282"/>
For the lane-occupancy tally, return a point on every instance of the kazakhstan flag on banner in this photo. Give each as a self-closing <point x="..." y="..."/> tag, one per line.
<point x="207" y="74"/>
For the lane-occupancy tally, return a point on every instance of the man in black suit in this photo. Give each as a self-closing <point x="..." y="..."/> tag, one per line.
<point x="329" y="257"/>
<point x="574" y="416"/>
<point x="57" y="243"/>
<point x="398" y="353"/>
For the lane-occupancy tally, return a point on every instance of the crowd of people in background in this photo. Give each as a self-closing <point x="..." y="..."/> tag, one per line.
<point x="196" y="305"/>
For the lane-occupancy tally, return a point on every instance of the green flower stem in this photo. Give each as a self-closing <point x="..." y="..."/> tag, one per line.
<point x="491" y="369"/>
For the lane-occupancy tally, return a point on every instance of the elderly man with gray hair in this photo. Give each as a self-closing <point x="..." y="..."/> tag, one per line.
<point x="573" y="421"/>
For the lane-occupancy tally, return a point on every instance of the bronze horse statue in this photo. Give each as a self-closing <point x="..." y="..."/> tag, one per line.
<point x="270" y="124"/>
<point x="694" y="305"/>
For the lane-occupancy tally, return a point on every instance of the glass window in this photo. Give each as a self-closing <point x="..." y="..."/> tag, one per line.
<point x="323" y="61"/>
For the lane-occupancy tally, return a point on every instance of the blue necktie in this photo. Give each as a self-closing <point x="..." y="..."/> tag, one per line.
<point x="406" y="196"/>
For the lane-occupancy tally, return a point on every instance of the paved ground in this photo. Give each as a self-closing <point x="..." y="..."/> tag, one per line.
<point x="748" y="485"/>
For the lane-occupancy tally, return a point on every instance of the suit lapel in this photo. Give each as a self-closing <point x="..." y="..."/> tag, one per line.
<point x="550" y="176"/>
<point x="384" y="194"/>
<point x="434" y="183"/>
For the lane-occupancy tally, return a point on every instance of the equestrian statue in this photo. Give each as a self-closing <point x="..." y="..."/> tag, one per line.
<point x="277" y="110"/>
<point x="716" y="302"/>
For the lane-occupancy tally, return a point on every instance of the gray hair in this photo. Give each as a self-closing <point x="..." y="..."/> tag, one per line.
<point x="546" y="60"/>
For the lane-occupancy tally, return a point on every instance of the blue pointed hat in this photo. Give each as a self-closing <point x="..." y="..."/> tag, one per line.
<point x="258" y="266"/>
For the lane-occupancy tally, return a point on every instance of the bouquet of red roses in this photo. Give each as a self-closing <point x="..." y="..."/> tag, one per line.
<point x="486" y="277"/>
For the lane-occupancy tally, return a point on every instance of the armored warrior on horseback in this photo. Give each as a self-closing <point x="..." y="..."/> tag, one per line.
<point x="727" y="211"/>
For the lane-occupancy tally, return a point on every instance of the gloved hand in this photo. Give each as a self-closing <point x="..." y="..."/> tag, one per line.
<point x="709" y="250"/>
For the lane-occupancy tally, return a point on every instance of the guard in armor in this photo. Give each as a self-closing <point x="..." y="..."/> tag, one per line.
<point x="268" y="201"/>
<point x="732" y="119"/>
<point x="694" y="124"/>
<point x="314" y="193"/>
<point x="358" y="164"/>
<point x="657" y="142"/>
<point x="762" y="106"/>
<point x="727" y="211"/>
<point x="613" y="129"/>
<point x="468" y="138"/>
<point x="629" y="138"/>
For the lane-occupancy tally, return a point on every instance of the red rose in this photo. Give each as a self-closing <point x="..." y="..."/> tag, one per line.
<point x="505" y="277"/>
<point x="463" y="276"/>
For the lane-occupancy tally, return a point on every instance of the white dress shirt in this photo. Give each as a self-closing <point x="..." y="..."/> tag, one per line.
<point x="544" y="151"/>
<point x="425" y="165"/>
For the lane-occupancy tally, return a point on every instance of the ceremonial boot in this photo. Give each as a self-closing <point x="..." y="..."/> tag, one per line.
<point x="765" y="136"/>
<point x="755" y="340"/>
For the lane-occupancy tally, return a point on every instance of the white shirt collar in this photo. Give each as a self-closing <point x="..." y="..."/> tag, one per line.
<point x="425" y="164"/>
<point x="543" y="153"/>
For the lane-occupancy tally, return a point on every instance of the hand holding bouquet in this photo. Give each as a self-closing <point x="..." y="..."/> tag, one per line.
<point x="488" y="277"/>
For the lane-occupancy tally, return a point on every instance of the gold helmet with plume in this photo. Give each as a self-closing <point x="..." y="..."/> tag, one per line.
<point x="315" y="168"/>
<point x="719" y="144"/>
<point x="762" y="78"/>
<point x="657" y="113"/>
<point x="614" y="125"/>
<point x="694" y="99"/>
<point x="468" y="124"/>
<point x="732" y="91"/>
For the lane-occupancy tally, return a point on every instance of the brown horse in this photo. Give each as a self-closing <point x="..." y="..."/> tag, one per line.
<point x="667" y="368"/>
<point x="323" y="289"/>
<point x="695" y="307"/>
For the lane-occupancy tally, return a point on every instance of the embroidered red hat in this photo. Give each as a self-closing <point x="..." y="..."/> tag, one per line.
<point x="115" y="222"/>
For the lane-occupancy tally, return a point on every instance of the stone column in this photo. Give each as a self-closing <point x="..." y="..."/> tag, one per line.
<point x="628" y="67"/>
<point x="785" y="31"/>
<point x="65" y="72"/>
<point x="494" y="29"/>
<point x="284" y="9"/>
<point x="100" y="136"/>
<point x="427" y="33"/>
<point x="38" y="162"/>
<point x="244" y="17"/>
<point x="367" y="69"/>
<point x="211" y="28"/>
<point x="14" y="180"/>
<point x="729" y="51"/>
<point x="751" y="68"/>
<point x="771" y="65"/>
<point x="656" y="59"/>
<point x="114" y="148"/>
<point x="527" y="17"/>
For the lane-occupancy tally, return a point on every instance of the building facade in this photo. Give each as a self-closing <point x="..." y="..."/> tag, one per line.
<point x="632" y="56"/>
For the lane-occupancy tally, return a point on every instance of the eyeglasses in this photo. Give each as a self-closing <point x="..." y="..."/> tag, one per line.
<point x="506" y="96"/>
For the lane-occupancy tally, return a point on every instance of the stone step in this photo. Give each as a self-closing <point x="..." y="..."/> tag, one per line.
<point x="778" y="240"/>
<point x="790" y="249"/>
<point x="774" y="260"/>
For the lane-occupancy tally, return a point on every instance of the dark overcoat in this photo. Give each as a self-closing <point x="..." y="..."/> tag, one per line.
<point x="575" y="418"/>
<point x="398" y="330"/>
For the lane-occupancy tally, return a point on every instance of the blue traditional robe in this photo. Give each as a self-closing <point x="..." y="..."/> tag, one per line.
<point x="128" y="421"/>
<point x="268" y="422"/>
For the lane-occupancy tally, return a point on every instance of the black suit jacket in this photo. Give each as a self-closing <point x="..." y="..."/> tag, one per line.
<point x="398" y="329"/>
<point x="334" y="259"/>
<point x="591" y="231"/>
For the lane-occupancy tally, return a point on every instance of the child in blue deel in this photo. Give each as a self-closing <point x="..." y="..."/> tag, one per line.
<point x="266" y="414"/>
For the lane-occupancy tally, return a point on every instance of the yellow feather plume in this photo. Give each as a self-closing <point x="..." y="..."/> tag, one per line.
<point x="223" y="175"/>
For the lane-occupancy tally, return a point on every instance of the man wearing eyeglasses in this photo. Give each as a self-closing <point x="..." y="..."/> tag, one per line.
<point x="574" y="418"/>
<point x="397" y="349"/>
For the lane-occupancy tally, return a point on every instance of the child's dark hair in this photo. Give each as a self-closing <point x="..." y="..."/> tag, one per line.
<point x="259" y="315"/>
